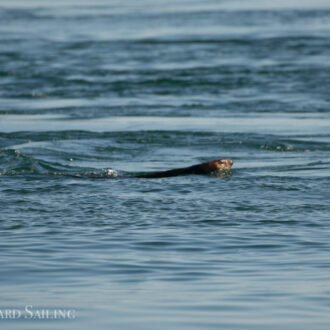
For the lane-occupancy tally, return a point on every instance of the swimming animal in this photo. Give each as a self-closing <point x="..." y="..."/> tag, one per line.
<point x="210" y="167"/>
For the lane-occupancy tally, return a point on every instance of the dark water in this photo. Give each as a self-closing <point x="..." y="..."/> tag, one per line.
<point x="151" y="85"/>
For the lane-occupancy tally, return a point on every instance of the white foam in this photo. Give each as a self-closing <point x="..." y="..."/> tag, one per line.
<point x="110" y="172"/>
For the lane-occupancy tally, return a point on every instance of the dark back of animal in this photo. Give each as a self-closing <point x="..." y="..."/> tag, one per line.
<point x="204" y="168"/>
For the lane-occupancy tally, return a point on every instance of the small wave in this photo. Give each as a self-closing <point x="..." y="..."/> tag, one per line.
<point x="110" y="173"/>
<point x="14" y="162"/>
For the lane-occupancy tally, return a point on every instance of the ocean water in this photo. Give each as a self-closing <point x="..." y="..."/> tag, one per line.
<point x="92" y="93"/>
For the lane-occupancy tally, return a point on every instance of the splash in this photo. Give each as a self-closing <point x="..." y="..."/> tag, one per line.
<point x="111" y="173"/>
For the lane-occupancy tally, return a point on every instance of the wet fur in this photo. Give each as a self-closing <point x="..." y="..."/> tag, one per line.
<point x="199" y="169"/>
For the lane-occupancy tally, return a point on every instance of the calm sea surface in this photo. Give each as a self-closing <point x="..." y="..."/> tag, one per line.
<point x="147" y="85"/>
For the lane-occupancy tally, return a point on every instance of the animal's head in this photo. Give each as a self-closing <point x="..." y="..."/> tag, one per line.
<point x="220" y="165"/>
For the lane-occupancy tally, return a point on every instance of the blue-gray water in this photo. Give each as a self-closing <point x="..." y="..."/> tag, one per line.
<point x="151" y="85"/>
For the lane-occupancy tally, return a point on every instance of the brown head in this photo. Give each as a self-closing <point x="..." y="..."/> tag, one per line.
<point x="218" y="165"/>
